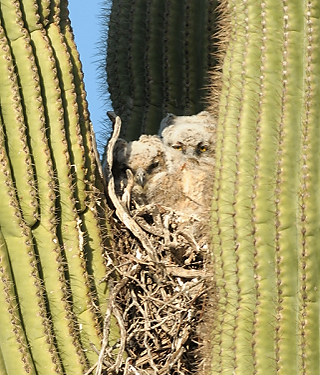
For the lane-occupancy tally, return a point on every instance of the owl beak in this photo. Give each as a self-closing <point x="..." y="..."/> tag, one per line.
<point x="193" y="160"/>
<point x="140" y="176"/>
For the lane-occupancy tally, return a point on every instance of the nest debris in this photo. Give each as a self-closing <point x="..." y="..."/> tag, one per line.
<point x="162" y="288"/>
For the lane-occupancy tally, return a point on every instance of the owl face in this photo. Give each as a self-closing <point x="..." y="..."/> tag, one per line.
<point x="194" y="142"/>
<point x="145" y="158"/>
<point x="187" y="142"/>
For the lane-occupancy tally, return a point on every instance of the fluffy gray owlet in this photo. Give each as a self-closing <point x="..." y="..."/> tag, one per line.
<point x="190" y="150"/>
<point x="146" y="160"/>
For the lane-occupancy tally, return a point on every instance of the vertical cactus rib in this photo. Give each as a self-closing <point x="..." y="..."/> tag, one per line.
<point x="309" y="197"/>
<point x="195" y="47"/>
<point x="44" y="11"/>
<point x="173" y="63"/>
<point x="190" y="10"/>
<point x="84" y="130"/>
<point x="15" y="354"/>
<point x="242" y="222"/>
<point x="118" y="59"/>
<point x="30" y="293"/>
<point x="13" y="112"/>
<point x="137" y="62"/>
<point x="71" y="117"/>
<point x="287" y="185"/>
<point x="69" y="232"/>
<point x="45" y="235"/>
<point x="218" y="40"/>
<point x="55" y="11"/>
<point x="94" y="186"/>
<point x="262" y="202"/>
<point x="30" y="15"/>
<point x="95" y="266"/>
<point x="224" y="256"/>
<point x="153" y="64"/>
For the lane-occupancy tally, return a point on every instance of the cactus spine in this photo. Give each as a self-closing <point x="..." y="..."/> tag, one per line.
<point x="265" y="210"/>
<point x="52" y="235"/>
<point x="159" y="55"/>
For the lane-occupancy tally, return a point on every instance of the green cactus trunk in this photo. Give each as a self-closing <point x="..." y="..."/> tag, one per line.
<point x="52" y="237"/>
<point x="266" y="211"/>
<point x="159" y="56"/>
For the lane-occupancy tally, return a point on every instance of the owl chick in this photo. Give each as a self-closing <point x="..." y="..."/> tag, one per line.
<point x="192" y="136"/>
<point x="190" y="151"/>
<point x="146" y="159"/>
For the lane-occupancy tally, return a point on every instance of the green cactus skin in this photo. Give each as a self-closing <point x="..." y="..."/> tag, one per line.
<point x="159" y="53"/>
<point x="266" y="201"/>
<point x="18" y="239"/>
<point x="12" y="111"/>
<point x="12" y="337"/>
<point x="95" y="200"/>
<point x="52" y="207"/>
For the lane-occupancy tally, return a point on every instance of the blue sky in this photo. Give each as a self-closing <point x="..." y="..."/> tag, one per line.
<point x="88" y="30"/>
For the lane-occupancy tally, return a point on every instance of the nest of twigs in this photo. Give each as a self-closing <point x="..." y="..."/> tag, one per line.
<point x="161" y="290"/>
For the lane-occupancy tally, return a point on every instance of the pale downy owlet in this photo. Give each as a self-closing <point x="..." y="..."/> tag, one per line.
<point x="146" y="160"/>
<point x="190" y="151"/>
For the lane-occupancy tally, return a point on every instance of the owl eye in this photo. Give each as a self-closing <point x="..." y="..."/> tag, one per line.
<point x="202" y="148"/>
<point x="154" y="165"/>
<point x="177" y="146"/>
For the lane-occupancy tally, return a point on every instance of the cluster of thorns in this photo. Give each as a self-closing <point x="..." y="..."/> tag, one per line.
<point x="160" y="291"/>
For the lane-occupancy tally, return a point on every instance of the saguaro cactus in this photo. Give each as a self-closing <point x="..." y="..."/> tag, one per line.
<point x="158" y="57"/>
<point x="266" y="202"/>
<point x="51" y="237"/>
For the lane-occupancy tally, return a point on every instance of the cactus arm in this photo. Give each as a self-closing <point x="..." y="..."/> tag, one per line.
<point x="267" y="175"/>
<point x="55" y="244"/>
<point x="13" y="343"/>
<point x="156" y="55"/>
